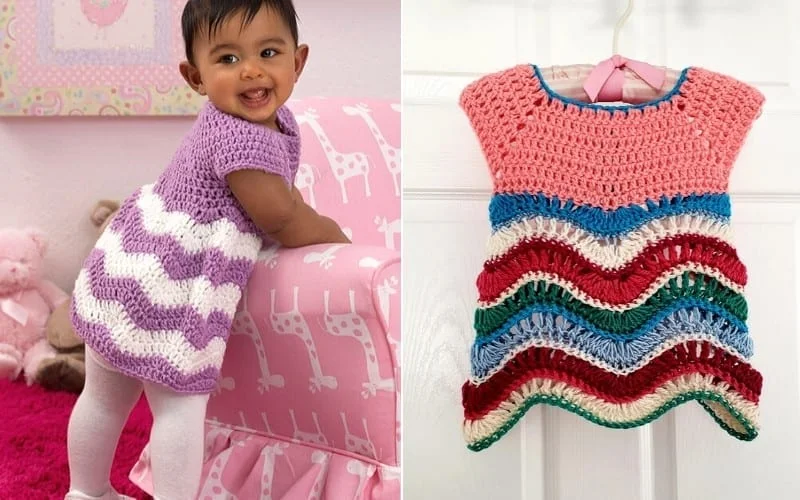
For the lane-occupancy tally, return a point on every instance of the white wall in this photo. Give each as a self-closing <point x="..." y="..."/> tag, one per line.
<point x="554" y="455"/>
<point x="355" y="47"/>
<point x="52" y="170"/>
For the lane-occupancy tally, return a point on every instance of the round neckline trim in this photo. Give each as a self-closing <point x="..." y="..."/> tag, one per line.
<point x="625" y="108"/>
<point x="286" y="130"/>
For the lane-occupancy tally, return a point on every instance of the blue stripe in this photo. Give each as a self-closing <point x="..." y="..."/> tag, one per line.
<point x="686" y="303"/>
<point x="619" y="354"/>
<point x="506" y="208"/>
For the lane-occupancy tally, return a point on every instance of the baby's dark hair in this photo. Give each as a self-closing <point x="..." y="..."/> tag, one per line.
<point x="205" y="16"/>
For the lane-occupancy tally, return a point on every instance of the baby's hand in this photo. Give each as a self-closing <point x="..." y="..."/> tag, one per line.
<point x="336" y="233"/>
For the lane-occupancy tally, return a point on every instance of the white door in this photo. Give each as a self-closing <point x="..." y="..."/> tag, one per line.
<point x="553" y="454"/>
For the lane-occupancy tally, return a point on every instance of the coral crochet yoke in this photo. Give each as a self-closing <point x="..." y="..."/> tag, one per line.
<point x="157" y="294"/>
<point x="611" y="287"/>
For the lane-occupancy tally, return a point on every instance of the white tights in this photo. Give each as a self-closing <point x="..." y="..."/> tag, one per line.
<point x="176" y="439"/>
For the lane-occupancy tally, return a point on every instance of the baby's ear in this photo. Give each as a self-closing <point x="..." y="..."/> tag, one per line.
<point x="300" y="58"/>
<point x="102" y="210"/>
<point x="192" y="76"/>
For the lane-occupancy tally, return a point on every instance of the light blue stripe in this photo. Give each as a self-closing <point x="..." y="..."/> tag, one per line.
<point x="619" y="354"/>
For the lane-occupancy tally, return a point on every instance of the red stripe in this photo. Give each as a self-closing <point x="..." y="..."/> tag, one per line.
<point x="618" y="286"/>
<point x="549" y="363"/>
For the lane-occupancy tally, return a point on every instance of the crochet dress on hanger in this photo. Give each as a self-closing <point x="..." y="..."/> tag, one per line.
<point x="611" y="287"/>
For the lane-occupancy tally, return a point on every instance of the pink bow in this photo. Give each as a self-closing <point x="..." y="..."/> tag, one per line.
<point x="607" y="78"/>
<point x="14" y="310"/>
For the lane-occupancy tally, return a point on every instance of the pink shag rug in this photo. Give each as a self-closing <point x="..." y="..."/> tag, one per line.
<point x="33" y="443"/>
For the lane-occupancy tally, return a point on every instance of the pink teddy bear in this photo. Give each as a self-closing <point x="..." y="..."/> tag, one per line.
<point x="26" y="301"/>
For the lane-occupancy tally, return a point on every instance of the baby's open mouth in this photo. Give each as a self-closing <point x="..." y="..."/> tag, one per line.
<point x="255" y="97"/>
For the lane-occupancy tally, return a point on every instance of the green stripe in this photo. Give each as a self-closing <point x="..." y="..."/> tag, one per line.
<point x="543" y="292"/>
<point x="565" y="404"/>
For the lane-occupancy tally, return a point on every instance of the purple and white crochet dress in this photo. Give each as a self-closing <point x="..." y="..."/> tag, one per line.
<point x="157" y="294"/>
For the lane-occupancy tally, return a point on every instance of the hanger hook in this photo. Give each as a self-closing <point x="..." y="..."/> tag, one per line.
<point x="618" y="27"/>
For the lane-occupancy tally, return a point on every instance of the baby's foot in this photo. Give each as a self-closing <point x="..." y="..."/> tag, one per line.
<point x="110" y="495"/>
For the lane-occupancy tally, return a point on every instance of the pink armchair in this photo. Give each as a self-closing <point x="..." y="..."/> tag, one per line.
<point x="307" y="406"/>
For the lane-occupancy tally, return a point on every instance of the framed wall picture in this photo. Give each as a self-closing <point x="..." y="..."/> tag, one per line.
<point x="92" y="57"/>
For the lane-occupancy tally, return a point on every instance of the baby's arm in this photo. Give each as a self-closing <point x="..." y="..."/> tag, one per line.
<point x="280" y="211"/>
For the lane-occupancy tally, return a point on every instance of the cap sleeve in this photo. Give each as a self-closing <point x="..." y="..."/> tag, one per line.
<point x="728" y="108"/>
<point x="496" y="105"/>
<point x="241" y="145"/>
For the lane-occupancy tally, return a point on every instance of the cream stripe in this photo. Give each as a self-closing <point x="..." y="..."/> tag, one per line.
<point x="222" y="235"/>
<point x="607" y="252"/>
<point x="476" y="430"/>
<point x="168" y="344"/>
<point x="579" y="294"/>
<point x="724" y="415"/>
<point x="578" y="353"/>
<point x="159" y="288"/>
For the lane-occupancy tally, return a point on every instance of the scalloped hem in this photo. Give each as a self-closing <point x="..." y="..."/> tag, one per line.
<point x="735" y="415"/>
<point x="240" y="464"/>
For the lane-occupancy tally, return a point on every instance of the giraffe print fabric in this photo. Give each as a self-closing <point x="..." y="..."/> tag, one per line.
<point x="307" y="405"/>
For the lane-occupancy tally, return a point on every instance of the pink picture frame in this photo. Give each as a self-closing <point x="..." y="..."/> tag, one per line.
<point x="93" y="57"/>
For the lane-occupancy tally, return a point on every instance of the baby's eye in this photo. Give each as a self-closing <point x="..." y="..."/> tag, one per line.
<point x="228" y="59"/>
<point x="269" y="53"/>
